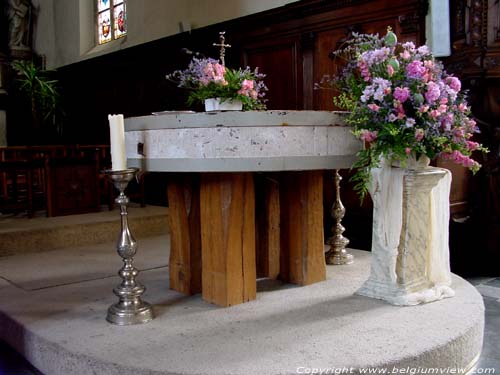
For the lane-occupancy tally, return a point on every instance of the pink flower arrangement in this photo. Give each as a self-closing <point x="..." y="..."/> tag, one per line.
<point x="208" y="78"/>
<point x="402" y="102"/>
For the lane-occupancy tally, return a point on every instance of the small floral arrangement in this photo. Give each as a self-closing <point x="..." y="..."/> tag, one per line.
<point x="207" y="78"/>
<point x="401" y="102"/>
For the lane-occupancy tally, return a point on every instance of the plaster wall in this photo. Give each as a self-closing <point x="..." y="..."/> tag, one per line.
<point x="65" y="29"/>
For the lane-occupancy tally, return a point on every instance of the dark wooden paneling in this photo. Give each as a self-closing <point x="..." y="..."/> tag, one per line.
<point x="278" y="60"/>
<point x="74" y="187"/>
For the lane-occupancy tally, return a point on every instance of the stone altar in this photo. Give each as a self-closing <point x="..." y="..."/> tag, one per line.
<point x="217" y="225"/>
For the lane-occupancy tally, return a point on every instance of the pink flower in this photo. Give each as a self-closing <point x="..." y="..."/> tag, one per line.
<point x="390" y="70"/>
<point x="458" y="133"/>
<point x="429" y="64"/>
<point x="219" y="69"/>
<point x="462" y="107"/>
<point x="247" y="89"/>
<point x="432" y="93"/>
<point x="368" y="136"/>
<point x="435" y="113"/>
<point x="471" y="146"/>
<point x="365" y="72"/>
<point x="402" y="93"/>
<point x="408" y="150"/>
<point x="423" y="108"/>
<point x="459" y="158"/>
<point x="213" y="72"/>
<point x="415" y="69"/>
<point x="373" y="107"/>
<point x="454" y="83"/>
<point x="401" y="111"/>
<point x="405" y="55"/>
<point x="247" y="84"/>
<point x="443" y="108"/>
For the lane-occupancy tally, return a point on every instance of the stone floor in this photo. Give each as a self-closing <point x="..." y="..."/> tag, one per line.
<point x="490" y="290"/>
<point x="13" y="364"/>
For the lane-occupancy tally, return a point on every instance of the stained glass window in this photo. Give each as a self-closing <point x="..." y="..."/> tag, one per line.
<point x="111" y="20"/>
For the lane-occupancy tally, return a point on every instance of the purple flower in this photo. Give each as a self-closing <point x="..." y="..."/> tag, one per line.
<point x="415" y="69"/>
<point x="432" y="94"/>
<point x="375" y="56"/>
<point x="409" y="46"/>
<point x="423" y="50"/>
<point x="454" y="83"/>
<point x="402" y="94"/>
<point x="410" y="122"/>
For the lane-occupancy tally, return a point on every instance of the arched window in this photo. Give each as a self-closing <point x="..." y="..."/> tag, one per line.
<point x="111" y="20"/>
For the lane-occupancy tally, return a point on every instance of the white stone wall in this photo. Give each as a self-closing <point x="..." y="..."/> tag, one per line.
<point x="65" y="29"/>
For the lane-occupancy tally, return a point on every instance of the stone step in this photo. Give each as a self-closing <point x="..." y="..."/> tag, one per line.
<point x="20" y="235"/>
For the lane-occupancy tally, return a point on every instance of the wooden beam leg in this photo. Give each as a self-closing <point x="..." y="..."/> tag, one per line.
<point x="302" y="249"/>
<point x="267" y="202"/>
<point x="185" y="240"/>
<point x="227" y="213"/>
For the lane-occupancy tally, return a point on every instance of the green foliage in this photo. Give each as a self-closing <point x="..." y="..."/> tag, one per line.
<point x="42" y="93"/>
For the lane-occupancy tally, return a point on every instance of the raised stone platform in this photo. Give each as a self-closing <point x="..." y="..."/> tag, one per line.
<point x="19" y="235"/>
<point x="56" y="319"/>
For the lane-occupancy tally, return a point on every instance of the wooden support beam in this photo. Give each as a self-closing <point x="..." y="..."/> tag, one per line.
<point x="185" y="240"/>
<point x="302" y="241"/>
<point x="267" y="204"/>
<point x="227" y="211"/>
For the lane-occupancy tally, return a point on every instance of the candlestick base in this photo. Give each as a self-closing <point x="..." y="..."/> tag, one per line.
<point x="127" y="315"/>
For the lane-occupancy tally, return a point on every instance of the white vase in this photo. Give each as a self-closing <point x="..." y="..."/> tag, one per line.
<point x="221" y="104"/>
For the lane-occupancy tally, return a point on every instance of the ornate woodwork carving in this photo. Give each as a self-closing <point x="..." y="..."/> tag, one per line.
<point x="475" y="26"/>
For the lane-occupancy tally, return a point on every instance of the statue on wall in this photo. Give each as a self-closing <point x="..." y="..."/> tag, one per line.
<point x="19" y="13"/>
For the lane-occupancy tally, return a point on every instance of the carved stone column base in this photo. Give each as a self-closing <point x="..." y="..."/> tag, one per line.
<point x="401" y="256"/>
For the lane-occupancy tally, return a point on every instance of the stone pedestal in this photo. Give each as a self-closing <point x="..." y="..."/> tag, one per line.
<point x="402" y="241"/>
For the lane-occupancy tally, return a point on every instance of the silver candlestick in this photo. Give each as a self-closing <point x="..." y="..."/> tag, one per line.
<point x="130" y="309"/>
<point x="338" y="254"/>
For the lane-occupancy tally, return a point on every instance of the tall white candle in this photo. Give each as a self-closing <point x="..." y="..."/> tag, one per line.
<point x="117" y="139"/>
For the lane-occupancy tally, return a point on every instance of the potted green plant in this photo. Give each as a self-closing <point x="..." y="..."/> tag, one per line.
<point x="42" y="93"/>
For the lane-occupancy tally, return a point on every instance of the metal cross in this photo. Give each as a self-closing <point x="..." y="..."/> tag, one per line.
<point x="222" y="46"/>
